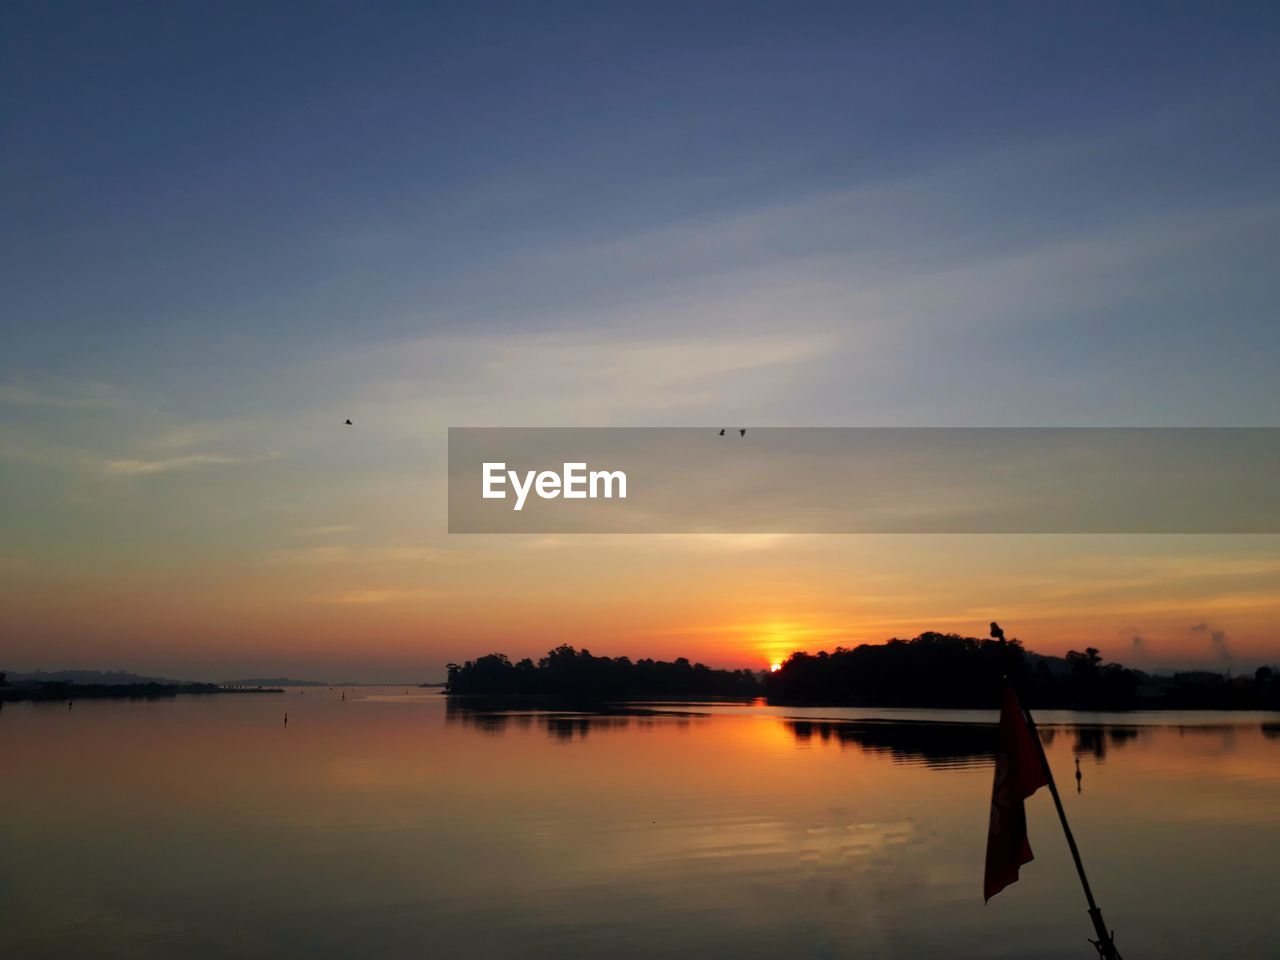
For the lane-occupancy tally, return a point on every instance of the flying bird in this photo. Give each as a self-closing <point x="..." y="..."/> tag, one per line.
<point x="348" y="423"/>
<point x="722" y="431"/>
<point x="742" y="432"/>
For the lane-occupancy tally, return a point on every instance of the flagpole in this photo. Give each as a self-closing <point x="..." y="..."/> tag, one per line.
<point x="1105" y="943"/>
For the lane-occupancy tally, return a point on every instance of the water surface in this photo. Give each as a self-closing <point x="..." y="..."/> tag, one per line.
<point x="390" y="825"/>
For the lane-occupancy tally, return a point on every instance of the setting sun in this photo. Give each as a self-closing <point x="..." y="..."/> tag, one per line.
<point x="775" y="667"/>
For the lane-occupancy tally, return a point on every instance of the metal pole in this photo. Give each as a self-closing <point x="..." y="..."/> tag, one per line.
<point x="1105" y="943"/>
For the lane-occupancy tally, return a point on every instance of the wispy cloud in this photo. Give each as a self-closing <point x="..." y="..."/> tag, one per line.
<point x="172" y="464"/>
<point x="322" y="530"/>
<point x="375" y="596"/>
<point x="335" y="554"/>
<point x="576" y="377"/>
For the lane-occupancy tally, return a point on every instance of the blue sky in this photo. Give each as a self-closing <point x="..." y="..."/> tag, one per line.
<point x="226" y="227"/>
<point x="192" y="185"/>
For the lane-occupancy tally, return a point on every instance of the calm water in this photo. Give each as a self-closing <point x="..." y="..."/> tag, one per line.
<point x="390" y="826"/>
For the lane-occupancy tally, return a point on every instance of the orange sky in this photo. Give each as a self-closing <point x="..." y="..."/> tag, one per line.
<point x="327" y="606"/>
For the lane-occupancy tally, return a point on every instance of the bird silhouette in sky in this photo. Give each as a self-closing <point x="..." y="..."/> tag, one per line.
<point x="722" y="431"/>
<point x="742" y="432"/>
<point x="349" y="423"/>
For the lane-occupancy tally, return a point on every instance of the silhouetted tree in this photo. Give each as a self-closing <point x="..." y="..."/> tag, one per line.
<point x="570" y="674"/>
<point x="931" y="670"/>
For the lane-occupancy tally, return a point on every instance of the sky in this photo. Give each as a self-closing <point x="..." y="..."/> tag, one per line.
<point x="227" y="228"/>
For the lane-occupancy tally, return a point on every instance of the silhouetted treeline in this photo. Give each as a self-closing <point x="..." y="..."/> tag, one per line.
<point x="103" y="677"/>
<point x="931" y="670"/>
<point x="569" y="674"/>
<point x="1202" y="690"/>
<point x="948" y="670"/>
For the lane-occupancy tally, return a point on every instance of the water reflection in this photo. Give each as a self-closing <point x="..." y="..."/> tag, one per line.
<point x="1097" y="741"/>
<point x="496" y="716"/>
<point x="392" y="824"/>
<point x="943" y="744"/>
<point x="938" y="745"/>
<point x="954" y="745"/>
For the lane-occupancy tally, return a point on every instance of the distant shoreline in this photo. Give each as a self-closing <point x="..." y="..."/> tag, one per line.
<point x="46" y="691"/>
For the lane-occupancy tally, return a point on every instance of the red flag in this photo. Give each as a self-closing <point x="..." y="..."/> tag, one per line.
<point x="1019" y="774"/>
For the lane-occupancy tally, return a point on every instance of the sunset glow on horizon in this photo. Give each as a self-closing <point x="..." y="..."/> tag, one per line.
<point x="202" y="292"/>
<point x="345" y="612"/>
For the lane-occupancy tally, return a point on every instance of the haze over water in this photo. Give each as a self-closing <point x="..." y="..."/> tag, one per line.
<point x="392" y="825"/>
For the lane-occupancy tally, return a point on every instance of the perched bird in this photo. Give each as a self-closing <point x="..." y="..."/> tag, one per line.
<point x="348" y="423"/>
<point x="722" y="431"/>
<point x="742" y="432"/>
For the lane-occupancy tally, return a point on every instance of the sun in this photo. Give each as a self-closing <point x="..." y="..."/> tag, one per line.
<point x="775" y="667"/>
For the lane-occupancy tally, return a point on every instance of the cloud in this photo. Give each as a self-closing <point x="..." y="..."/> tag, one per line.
<point x="334" y="554"/>
<point x="570" y="376"/>
<point x="373" y="596"/>
<point x="171" y="464"/>
<point x="728" y="541"/>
